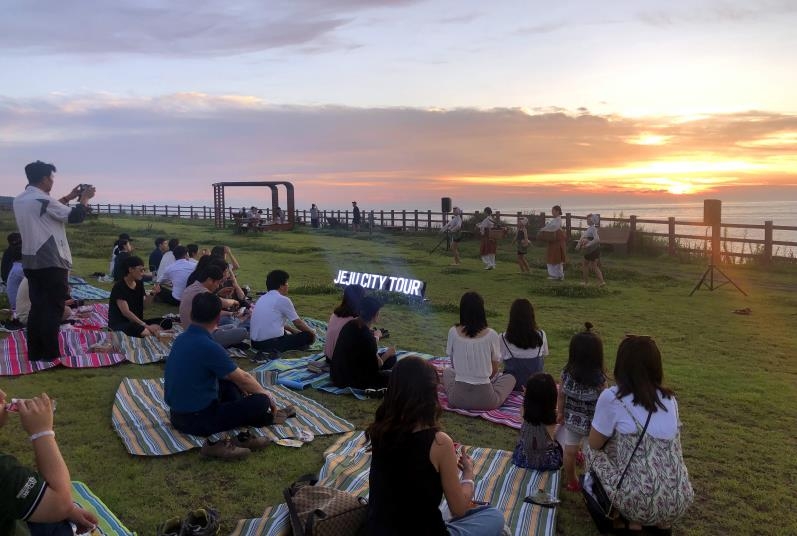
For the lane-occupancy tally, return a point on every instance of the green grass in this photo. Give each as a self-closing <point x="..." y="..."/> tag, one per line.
<point x="734" y="375"/>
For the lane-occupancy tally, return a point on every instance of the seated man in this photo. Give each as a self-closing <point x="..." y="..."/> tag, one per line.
<point x="161" y="247"/>
<point x="127" y="302"/>
<point x="355" y="361"/>
<point x="208" y="280"/>
<point x="168" y="257"/>
<point x="38" y="503"/>
<point x="176" y="275"/>
<point x="267" y="327"/>
<point x="206" y="391"/>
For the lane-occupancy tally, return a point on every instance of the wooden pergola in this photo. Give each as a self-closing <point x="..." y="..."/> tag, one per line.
<point x="219" y="205"/>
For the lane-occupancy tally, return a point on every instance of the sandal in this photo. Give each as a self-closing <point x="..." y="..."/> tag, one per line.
<point x="574" y="486"/>
<point x="580" y="458"/>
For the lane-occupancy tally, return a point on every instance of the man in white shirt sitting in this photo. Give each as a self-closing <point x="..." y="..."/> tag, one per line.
<point x="268" y="329"/>
<point x="177" y="275"/>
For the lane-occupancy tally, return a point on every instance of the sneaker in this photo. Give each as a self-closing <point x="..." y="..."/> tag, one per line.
<point x="376" y="393"/>
<point x="240" y="346"/>
<point x="246" y="440"/>
<point x="224" y="450"/>
<point x="201" y="522"/>
<point x="171" y="527"/>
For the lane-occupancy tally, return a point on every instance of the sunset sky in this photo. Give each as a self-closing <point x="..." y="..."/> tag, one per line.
<point x="398" y="103"/>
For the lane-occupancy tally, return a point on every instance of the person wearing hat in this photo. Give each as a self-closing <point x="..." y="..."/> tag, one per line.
<point x="454" y="228"/>
<point x="123" y="239"/>
<point x="46" y="257"/>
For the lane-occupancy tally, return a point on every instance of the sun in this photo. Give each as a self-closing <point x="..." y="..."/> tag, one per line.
<point x="681" y="188"/>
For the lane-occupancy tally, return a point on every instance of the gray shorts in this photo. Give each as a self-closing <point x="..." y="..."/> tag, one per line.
<point x="572" y="438"/>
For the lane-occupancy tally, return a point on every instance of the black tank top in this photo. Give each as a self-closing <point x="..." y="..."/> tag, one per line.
<point x="405" y="489"/>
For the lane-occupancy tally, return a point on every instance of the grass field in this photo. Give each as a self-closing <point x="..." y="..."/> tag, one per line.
<point x="735" y="376"/>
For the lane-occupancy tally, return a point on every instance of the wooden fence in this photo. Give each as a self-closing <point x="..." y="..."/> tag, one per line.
<point x="674" y="235"/>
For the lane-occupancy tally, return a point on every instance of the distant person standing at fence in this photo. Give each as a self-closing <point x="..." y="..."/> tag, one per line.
<point x="314" y="216"/>
<point x="556" y="253"/>
<point x="454" y="228"/>
<point x="590" y="245"/>
<point x="488" y="245"/>
<point x="46" y="257"/>
<point x="355" y="216"/>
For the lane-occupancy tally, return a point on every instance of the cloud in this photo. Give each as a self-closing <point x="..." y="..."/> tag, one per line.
<point x="176" y="146"/>
<point x="717" y="12"/>
<point x="177" y="28"/>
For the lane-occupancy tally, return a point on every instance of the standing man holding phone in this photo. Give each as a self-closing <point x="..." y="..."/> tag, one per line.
<point x="46" y="257"/>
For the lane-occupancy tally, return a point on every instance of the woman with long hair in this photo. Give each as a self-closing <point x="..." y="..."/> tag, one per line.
<point x="523" y="344"/>
<point x="636" y="432"/>
<point x="414" y="464"/>
<point x="348" y="309"/>
<point x="474" y="380"/>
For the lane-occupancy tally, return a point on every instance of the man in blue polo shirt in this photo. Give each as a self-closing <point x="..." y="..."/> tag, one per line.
<point x="207" y="393"/>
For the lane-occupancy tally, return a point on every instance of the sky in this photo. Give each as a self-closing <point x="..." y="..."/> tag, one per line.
<point x="398" y="103"/>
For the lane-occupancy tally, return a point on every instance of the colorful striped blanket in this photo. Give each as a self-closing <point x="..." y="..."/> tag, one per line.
<point x="81" y="290"/>
<point x="141" y="418"/>
<point x="509" y="414"/>
<point x="293" y="373"/>
<point x="75" y="352"/>
<point x="109" y="524"/>
<point x="498" y="482"/>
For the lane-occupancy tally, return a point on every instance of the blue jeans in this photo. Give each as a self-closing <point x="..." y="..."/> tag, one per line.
<point x="481" y="521"/>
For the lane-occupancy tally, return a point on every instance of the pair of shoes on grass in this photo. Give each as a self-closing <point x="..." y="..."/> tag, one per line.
<point x="376" y="393"/>
<point x="236" y="448"/>
<point x="199" y="522"/>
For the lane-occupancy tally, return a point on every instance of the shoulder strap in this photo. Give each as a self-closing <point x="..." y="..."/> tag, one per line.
<point x="507" y="346"/>
<point x="642" y="435"/>
<point x="542" y="343"/>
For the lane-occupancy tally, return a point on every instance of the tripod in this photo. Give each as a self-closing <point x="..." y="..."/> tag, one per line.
<point x="445" y="239"/>
<point x="711" y="284"/>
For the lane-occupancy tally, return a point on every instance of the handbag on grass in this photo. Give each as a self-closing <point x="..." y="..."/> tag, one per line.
<point x="323" y="511"/>
<point x="599" y="505"/>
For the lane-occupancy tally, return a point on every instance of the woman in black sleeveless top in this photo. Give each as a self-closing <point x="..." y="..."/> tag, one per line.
<point x="414" y="464"/>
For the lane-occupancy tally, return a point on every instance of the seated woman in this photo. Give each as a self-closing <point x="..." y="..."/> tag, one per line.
<point x="127" y="301"/>
<point x="414" y="464"/>
<point x="640" y="411"/>
<point x="523" y="345"/>
<point x="349" y="308"/>
<point x="473" y="381"/>
<point x="355" y="361"/>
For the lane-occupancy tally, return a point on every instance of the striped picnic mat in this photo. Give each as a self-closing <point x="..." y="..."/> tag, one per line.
<point x="293" y="373"/>
<point x="75" y="353"/>
<point x="109" y="524"/>
<point x="141" y="418"/>
<point x="145" y="350"/>
<point x="509" y="414"/>
<point x="81" y="290"/>
<point x="498" y="482"/>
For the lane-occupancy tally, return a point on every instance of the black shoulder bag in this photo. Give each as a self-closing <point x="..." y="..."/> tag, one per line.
<point x="599" y="505"/>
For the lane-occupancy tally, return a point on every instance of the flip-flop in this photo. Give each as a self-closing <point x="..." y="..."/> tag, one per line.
<point x="543" y="498"/>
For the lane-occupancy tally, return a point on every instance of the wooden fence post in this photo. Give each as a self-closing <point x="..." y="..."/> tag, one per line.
<point x="392" y="218"/>
<point x="403" y="220"/>
<point x="768" y="242"/>
<point x="416" y="220"/>
<point x="568" y="225"/>
<point x="632" y="232"/>
<point x="381" y="218"/>
<point x="429" y="220"/>
<point x="671" y="236"/>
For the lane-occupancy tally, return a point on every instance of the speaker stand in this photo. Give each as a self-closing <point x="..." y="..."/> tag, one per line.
<point x="712" y="284"/>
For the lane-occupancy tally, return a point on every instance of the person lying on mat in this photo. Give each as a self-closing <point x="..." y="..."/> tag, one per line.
<point x="348" y="309"/>
<point x="31" y="502"/>
<point x="356" y="361"/>
<point x="207" y="393"/>
<point x="414" y="464"/>
<point x="128" y="299"/>
<point x="473" y="381"/>
<point x="272" y="310"/>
